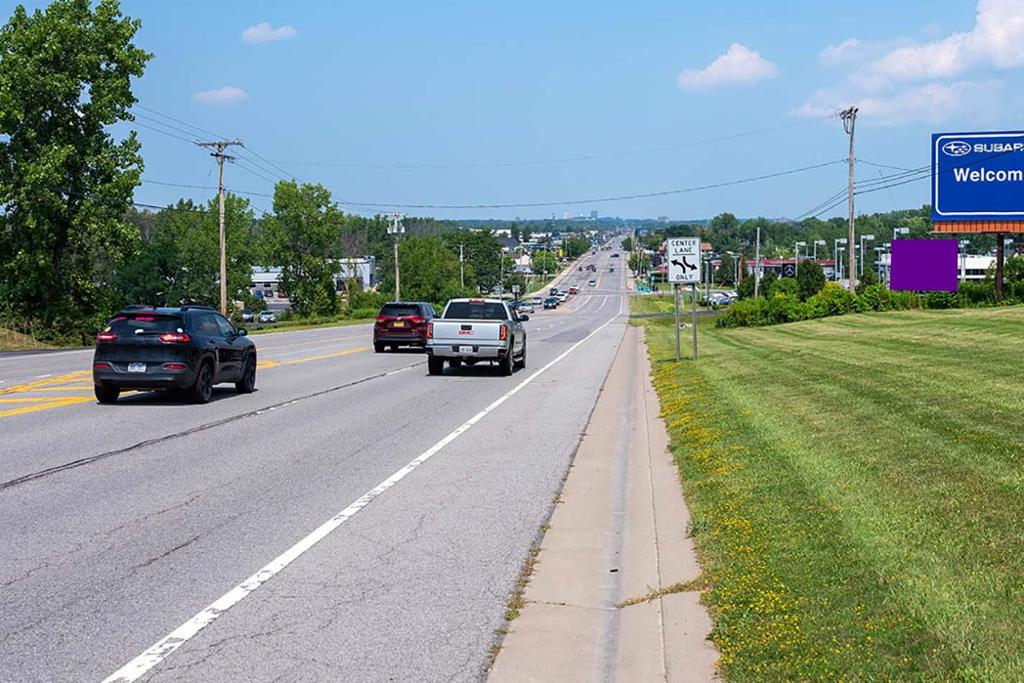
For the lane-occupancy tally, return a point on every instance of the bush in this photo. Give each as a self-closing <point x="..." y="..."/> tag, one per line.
<point x="868" y="279"/>
<point x="940" y="300"/>
<point x="745" y="313"/>
<point x="976" y="294"/>
<point x="786" y="308"/>
<point x="834" y="299"/>
<point x="783" y="286"/>
<point x="359" y="313"/>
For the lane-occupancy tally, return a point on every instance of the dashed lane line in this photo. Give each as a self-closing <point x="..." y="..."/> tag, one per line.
<point x="159" y="651"/>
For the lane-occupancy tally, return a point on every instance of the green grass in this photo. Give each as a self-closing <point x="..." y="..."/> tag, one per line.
<point x="857" y="492"/>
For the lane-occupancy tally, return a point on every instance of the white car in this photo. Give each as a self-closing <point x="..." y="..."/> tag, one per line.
<point x="537" y="300"/>
<point x="267" y="317"/>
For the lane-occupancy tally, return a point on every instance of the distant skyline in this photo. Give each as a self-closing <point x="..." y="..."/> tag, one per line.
<point x="462" y="103"/>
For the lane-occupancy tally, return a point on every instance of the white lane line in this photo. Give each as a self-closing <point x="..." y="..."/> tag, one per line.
<point x="160" y="650"/>
<point x="43" y="376"/>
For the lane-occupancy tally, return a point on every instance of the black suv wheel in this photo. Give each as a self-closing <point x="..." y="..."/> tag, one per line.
<point x="247" y="384"/>
<point x="105" y="394"/>
<point x="202" y="390"/>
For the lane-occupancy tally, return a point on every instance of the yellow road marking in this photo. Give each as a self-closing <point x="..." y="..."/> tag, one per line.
<point x="69" y="383"/>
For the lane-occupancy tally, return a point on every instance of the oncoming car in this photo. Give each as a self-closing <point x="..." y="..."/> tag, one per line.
<point x="188" y="349"/>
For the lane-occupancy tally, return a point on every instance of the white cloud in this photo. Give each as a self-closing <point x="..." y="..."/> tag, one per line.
<point x="997" y="39"/>
<point x="225" y="95"/>
<point x="265" y="33"/>
<point x="843" y="53"/>
<point x="929" y="102"/>
<point x="739" y="64"/>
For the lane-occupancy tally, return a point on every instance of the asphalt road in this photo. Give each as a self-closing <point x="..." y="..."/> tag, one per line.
<point x="353" y="519"/>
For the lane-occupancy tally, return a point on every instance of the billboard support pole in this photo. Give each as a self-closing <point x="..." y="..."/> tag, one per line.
<point x="1000" y="254"/>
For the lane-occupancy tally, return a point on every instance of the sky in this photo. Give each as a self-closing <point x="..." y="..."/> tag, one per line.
<point x="469" y="103"/>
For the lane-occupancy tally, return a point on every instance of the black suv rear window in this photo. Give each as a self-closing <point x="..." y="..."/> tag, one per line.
<point x="470" y="310"/>
<point x="394" y="310"/>
<point x="148" y="323"/>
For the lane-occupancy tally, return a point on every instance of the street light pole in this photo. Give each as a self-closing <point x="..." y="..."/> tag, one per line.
<point x="863" y="254"/>
<point x="835" y="251"/>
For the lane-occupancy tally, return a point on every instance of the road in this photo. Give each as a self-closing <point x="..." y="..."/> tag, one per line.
<point x="353" y="519"/>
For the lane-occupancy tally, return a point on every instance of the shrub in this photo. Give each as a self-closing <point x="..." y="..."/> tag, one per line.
<point x="786" y="308"/>
<point x="745" y="313"/>
<point x="940" y="300"/>
<point x="833" y="299"/>
<point x="866" y="280"/>
<point x="976" y="294"/>
<point x="786" y="285"/>
<point x="358" y="313"/>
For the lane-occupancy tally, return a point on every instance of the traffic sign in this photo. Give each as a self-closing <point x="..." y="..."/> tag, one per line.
<point x="978" y="176"/>
<point x="683" y="260"/>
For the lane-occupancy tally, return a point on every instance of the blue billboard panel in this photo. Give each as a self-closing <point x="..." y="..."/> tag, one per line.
<point x="978" y="176"/>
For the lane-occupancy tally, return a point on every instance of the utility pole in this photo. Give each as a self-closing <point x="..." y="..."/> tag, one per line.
<point x="757" y="263"/>
<point x="462" y="269"/>
<point x="396" y="228"/>
<point x="849" y="117"/>
<point x="219" y="146"/>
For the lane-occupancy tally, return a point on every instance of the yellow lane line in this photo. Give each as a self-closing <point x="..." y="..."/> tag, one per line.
<point x="49" y="402"/>
<point x="59" y="403"/>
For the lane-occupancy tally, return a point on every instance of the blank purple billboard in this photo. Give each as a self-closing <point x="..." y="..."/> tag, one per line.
<point x="924" y="265"/>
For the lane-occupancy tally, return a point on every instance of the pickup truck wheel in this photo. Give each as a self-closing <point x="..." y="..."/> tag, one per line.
<point x="507" y="365"/>
<point x="522" y="359"/>
<point x="455" y="363"/>
<point x="435" y="366"/>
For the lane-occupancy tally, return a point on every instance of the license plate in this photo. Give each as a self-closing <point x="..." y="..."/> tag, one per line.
<point x="399" y="323"/>
<point x="136" y="367"/>
<point x="465" y="349"/>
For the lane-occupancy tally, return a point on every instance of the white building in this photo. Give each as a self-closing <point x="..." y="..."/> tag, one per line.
<point x="267" y="281"/>
<point x="971" y="267"/>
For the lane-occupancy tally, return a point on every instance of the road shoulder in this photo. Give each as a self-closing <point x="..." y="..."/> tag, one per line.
<point x="614" y="593"/>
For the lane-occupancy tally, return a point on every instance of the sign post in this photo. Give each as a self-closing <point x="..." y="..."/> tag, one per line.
<point x="684" y="269"/>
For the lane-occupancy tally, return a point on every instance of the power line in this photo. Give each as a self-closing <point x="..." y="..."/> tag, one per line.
<point x="163" y="132"/>
<point x="184" y="123"/>
<point x="258" y="155"/>
<point x="557" y="160"/>
<point x="597" y="200"/>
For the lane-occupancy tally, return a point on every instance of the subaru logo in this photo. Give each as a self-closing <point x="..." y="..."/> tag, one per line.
<point x="956" y="148"/>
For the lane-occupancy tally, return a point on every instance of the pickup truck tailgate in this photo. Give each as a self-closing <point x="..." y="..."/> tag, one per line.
<point x="466" y="331"/>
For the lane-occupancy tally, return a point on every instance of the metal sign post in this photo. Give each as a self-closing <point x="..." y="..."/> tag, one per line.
<point x="684" y="269"/>
<point x="693" y="296"/>
<point x="675" y="291"/>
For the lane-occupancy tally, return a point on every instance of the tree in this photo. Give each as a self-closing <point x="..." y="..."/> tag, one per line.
<point x="481" y="252"/>
<point x="810" y="279"/>
<point x="543" y="262"/>
<point x="65" y="183"/>
<point x="866" y="280"/>
<point x="299" y="238"/>
<point x="430" y="271"/>
<point x="179" y="261"/>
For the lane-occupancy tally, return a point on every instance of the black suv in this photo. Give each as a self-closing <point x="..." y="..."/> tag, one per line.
<point x="190" y="348"/>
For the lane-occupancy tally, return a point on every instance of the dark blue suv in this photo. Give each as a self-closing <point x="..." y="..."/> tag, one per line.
<point x="188" y="348"/>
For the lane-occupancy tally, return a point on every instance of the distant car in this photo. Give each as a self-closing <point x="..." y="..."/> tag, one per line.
<point x="562" y="297"/>
<point x="719" y="299"/>
<point x="187" y="348"/>
<point x="615" y="255"/>
<point x="282" y="295"/>
<point x="402" y="323"/>
<point x="592" y="283"/>
<point x="554" y="291"/>
<point x="247" y="316"/>
<point x="537" y="301"/>
<point x="267" y="317"/>
<point x="551" y="302"/>
<point x="574" y="290"/>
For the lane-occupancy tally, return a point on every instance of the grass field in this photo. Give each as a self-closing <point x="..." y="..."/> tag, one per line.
<point x="857" y="489"/>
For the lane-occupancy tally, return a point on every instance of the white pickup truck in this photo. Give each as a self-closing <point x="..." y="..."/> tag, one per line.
<point x="475" y="330"/>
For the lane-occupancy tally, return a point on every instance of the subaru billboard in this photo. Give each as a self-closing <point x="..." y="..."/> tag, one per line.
<point x="978" y="176"/>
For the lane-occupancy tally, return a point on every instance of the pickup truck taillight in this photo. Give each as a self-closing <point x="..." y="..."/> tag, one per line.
<point x="430" y="330"/>
<point x="503" y="335"/>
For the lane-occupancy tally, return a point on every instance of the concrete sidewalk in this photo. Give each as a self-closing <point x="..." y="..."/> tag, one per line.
<point x="617" y="535"/>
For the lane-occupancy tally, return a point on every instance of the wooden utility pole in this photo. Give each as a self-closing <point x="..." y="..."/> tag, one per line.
<point x="849" y="117"/>
<point x="396" y="228"/>
<point x="219" y="146"/>
<point x="757" y="263"/>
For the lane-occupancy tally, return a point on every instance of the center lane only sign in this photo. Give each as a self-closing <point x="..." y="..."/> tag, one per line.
<point x="684" y="260"/>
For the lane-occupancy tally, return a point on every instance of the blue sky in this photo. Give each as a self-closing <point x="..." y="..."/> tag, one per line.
<point x="412" y="102"/>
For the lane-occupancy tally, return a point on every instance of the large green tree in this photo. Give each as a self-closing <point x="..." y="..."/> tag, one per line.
<point x="429" y="271"/>
<point x="300" y="237"/>
<point x="544" y="262"/>
<point x="65" y="182"/>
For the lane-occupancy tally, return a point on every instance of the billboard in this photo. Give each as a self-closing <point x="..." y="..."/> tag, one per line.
<point x="924" y="265"/>
<point x="978" y="176"/>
